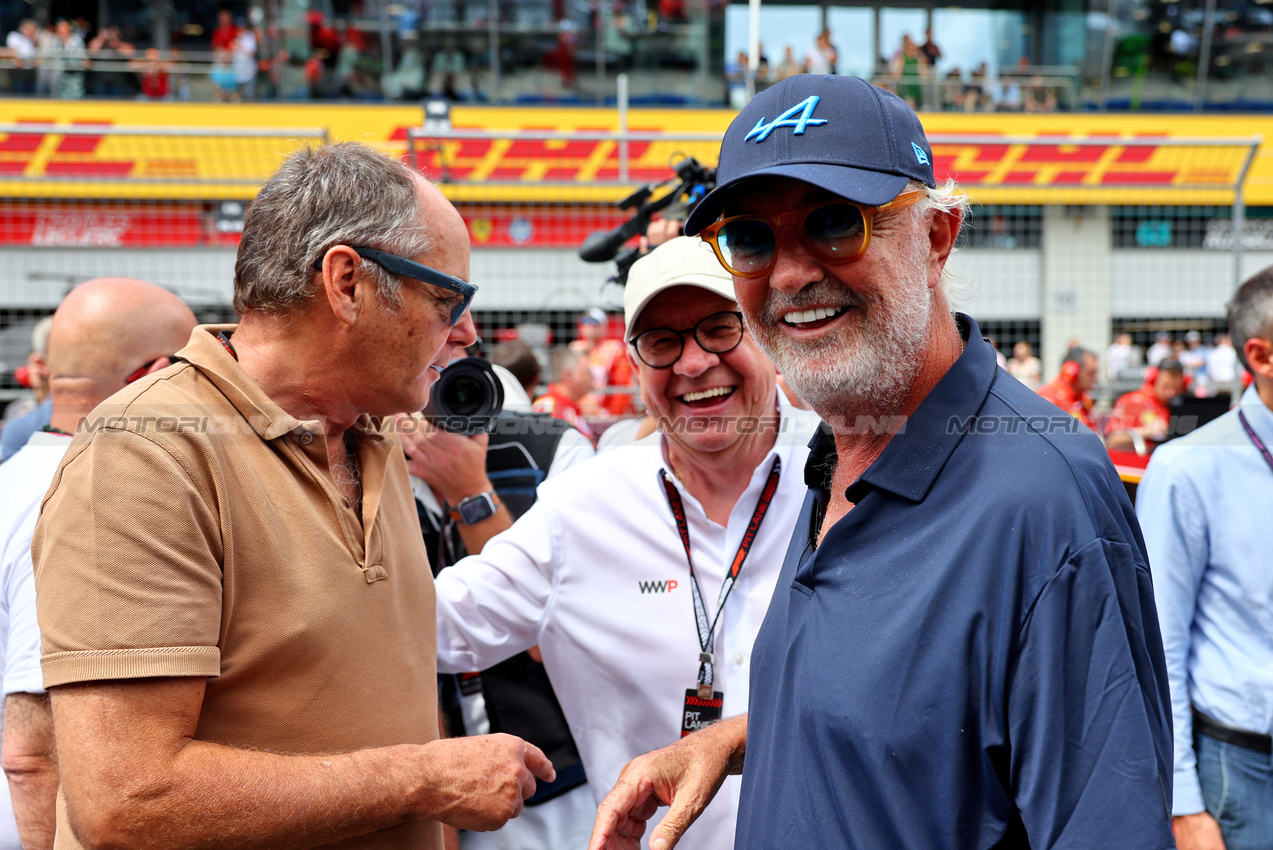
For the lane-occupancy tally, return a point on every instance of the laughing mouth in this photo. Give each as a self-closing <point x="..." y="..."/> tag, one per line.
<point x="705" y="395"/>
<point x="796" y="318"/>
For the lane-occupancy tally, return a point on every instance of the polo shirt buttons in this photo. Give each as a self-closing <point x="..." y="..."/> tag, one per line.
<point x="306" y="438"/>
<point x="738" y="659"/>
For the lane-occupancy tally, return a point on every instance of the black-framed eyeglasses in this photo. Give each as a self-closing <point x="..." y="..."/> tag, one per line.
<point x="394" y="264"/>
<point x="719" y="333"/>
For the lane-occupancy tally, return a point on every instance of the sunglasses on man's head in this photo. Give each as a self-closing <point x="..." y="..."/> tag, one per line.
<point x="833" y="231"/>
<point x="403" y="267"/>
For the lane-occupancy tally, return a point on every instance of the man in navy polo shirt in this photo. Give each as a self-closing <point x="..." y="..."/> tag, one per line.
<point x="963" y="650"/>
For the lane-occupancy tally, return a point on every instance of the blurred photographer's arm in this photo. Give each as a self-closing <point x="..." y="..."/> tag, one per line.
<point x="454" y="466"/>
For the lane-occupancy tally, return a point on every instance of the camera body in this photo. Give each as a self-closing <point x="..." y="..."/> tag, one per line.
<point x="466" y="398"/>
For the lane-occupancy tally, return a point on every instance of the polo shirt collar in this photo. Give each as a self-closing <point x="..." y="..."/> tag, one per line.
<point x="206" y="353"/>
<point x="915" y="455"/>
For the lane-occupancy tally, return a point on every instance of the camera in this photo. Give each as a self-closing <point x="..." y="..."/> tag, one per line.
<point x="466" y="398"/>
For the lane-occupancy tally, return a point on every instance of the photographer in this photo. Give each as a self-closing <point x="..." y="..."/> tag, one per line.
<point x="461" y="507"/>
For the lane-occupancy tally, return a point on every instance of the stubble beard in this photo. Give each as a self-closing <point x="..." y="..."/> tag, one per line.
<point x="866" y="367"/>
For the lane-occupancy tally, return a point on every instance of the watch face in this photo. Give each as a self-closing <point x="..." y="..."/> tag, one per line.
<point x="476" y="508"/>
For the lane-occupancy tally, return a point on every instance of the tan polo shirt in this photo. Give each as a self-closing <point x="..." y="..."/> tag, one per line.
<point x="195" y="532"/>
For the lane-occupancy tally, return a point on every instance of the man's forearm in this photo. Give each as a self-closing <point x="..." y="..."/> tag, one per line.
<point x="476" y="536"/>
<point x="734" y="731"/>
<point x="134" y="778"/>
<point x="30" y="767"/>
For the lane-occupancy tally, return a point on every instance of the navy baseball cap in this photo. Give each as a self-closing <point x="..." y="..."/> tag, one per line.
<point x="841" y="134"/>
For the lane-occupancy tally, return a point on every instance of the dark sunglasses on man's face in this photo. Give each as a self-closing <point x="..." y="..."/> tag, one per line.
<point x="833" y="231"/>
<point x="403" y="267"/>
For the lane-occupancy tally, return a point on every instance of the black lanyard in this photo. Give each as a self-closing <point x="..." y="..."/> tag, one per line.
<point x="706" y="632"/>
<point x="1259" y="444"/>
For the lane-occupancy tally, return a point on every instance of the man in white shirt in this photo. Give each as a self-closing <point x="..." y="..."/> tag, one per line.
<point x="106" y="333"/>
<point x="598" y="573"/>
<point x="1119" y="357"/>
<point x="21" y="47"/>
<point x="1222" y="364"/>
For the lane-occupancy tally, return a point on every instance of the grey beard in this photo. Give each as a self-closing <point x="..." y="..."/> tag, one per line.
<point x="864" y="370"/>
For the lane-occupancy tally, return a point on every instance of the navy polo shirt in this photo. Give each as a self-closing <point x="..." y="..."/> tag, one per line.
<point x="971" y="657"/>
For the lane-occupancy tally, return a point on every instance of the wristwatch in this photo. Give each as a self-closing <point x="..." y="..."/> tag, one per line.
<point x="474" y="509"/>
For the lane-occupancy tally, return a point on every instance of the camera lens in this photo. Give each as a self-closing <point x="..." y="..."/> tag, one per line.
<point x="466" y="397"/>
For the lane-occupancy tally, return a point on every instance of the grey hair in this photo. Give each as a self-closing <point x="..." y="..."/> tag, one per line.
<point x="40" y="336"/>
<point x="948" y="198"/>
<point x="1250" y="312"/>
<point x="337" y="194"/>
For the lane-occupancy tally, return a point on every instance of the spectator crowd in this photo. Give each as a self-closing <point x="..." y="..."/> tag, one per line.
<point x="911" y="72"/>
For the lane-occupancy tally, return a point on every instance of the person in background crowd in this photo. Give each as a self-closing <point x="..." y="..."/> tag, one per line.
<point x="1141" y="418"/>
<point x="930" y="49"/>
<point x="1119" y="357"/>
<point x="106" y="334"/>
<point x="222" y="76"/>
<point x="226" y="31"/>
<point x="23" y="50"/>
<point x="908" y="71"/>
<point x="261" y="659"/>
<point x="822" y="56"/>
<point x="1024" y="366"/>
<point x="1070" y="390"/>
<point x="1194" y="358"/>
<point x="1204" y="504"/>
<point x="607" y="357"/>
<point x="1161" y="348"/>
<point x="1222" y="364"/>
<point x="243" y="62"/>
<point x="154" y="75"/>
<point x="109" y="49"/>
<point x="574" y="381"/>
<point x="19" y="428"/>
<point x="519" y="358"/>
<point x="962" y="650"/>
<point x="606" y="569"/>
<point x="789" y="66"/>
<point x="931" y="53"/>
<point x="66" y="58"/>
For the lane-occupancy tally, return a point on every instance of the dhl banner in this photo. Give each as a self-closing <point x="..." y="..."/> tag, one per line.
<point x="192" y="153"/>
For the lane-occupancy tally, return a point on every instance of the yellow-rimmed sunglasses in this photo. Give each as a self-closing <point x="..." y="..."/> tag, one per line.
<point x="833" y="231"/>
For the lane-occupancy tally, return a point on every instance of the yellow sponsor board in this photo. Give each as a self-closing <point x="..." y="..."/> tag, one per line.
<point x="142" y="151"/>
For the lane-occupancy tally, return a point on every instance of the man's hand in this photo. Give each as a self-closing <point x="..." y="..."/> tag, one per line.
<point x="479" y="783"/>
<point x="659" y="231"/>
<point x="452" y="464"/>
<point x="685" y="775"/>
<point x="1197" y="832"/>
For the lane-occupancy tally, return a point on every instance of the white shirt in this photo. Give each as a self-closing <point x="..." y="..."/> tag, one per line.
<point x="1222" y="364"/>
<point x="588" y="573"/>
<point x="24" y="479"/>
<point x="23" y="48"/>
<point x="1118" y="358"/>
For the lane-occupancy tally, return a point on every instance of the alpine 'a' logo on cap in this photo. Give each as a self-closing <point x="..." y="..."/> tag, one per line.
<point x="787" y="119"/>
<point x="920" y="156"/>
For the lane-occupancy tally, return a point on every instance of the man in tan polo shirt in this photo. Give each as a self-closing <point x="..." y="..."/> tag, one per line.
<point x="236" y="605"/>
